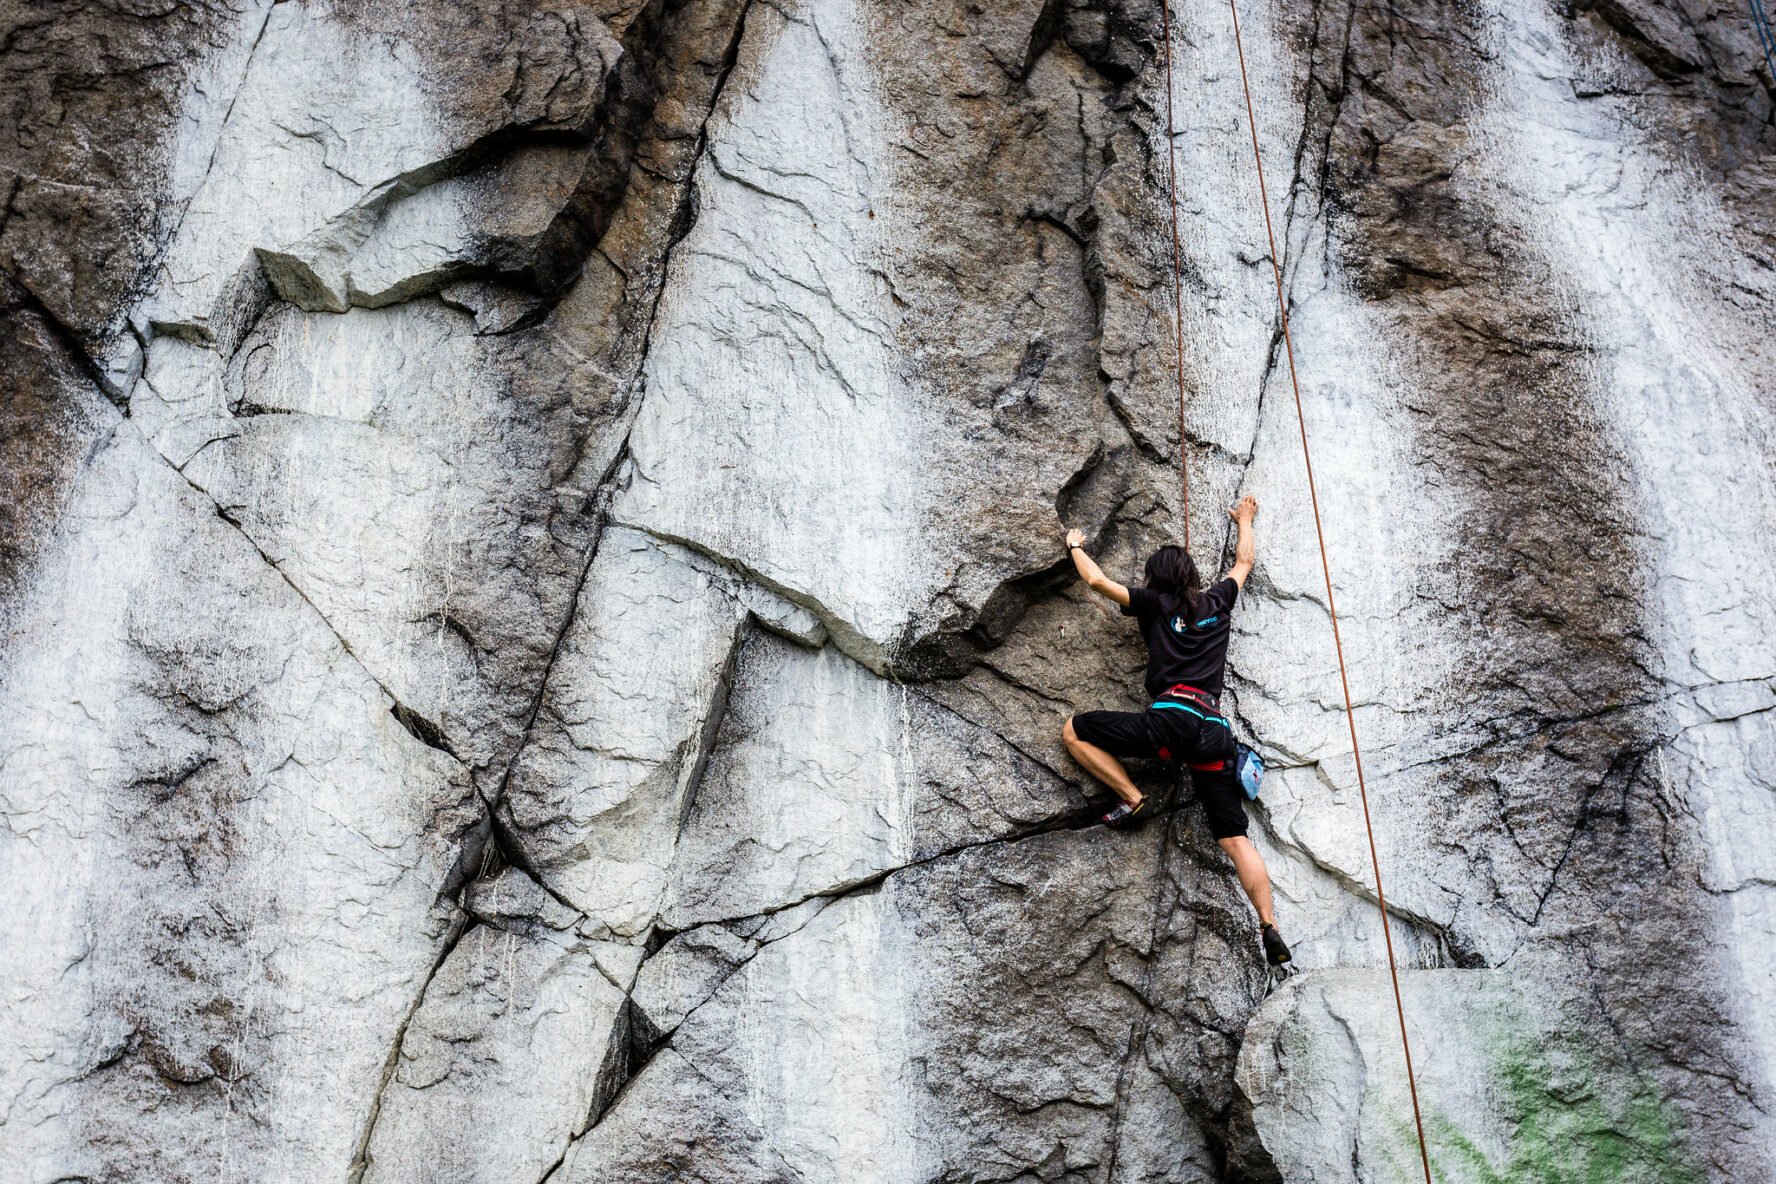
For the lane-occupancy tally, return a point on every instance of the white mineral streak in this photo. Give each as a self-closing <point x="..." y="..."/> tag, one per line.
<point x="600" y="792"/>
<point x="364" y="470"/>
<point x="1647" y="252"/>
<point x="805" y="1054"/>
<point x="210" y="96"/>
<point x="323" y="117"/>
<point x="517" y="1033"/>
<point x="208" y="805"/>
<point x="825" y="776"/>
<point x="362" y="519"/>
<point x="1230" y="307"/>
<point x="1385" y="528"/>
<point x="823" y="1047"/>
<point x="372" y="456"/>
<point x="776" y="431"/>
<point x="812" y="797"/>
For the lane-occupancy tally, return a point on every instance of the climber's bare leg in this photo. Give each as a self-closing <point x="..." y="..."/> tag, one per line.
<point x="1252" y="875"/>
<point x="1103" y="766"/>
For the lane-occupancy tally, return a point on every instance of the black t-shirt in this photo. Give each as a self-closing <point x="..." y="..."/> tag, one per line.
<point x="1183" y="647"/>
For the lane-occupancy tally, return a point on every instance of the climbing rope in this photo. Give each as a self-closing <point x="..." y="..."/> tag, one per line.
<point x="1276" y="269"/>
<point x="1313" y="497"/>
<point x="1761" y="22"/>
<point x="1177" y="275"/>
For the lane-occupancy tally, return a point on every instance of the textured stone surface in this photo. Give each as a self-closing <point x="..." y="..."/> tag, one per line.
<point x="598" y="797"/>
<point x="521" y="1032"/>
<point x="824" y="776"/>
<point x="533" y="628"/>
<point x="230" y="857"/>
<point x="1516" y="1085"/>
<point x="848" y="1047"/>
<point x="112" y="112"/>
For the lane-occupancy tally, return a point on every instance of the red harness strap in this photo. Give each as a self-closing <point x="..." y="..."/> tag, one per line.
<point x="1194" y="694"/>
<point x="1198" y="695"/>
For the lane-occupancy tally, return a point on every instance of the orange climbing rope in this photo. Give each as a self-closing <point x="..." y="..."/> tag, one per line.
<point x="1312" y="493"/>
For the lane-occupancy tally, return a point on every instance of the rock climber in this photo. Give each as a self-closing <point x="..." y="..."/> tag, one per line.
<point x="1186" y="628"/>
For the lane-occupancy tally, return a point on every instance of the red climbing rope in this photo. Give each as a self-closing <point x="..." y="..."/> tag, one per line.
<point x="1177" y="274"/>
<point x="1350" y="717"/>
<point x="1313" y="496"/>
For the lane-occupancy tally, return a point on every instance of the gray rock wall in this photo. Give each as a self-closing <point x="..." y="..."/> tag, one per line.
<point x="534" y="631"/>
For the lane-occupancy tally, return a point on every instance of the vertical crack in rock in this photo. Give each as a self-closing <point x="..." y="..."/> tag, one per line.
<point x="462" y="926"/>
<point x="190" y="186"/>
<point x="605" y="489"/>
<point x="404" y="324"/>
<point x="686" y="206"/>
<point x="1137" y="1038"/>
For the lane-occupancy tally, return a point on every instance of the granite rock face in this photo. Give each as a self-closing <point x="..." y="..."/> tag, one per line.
<point x="534" y="630"/>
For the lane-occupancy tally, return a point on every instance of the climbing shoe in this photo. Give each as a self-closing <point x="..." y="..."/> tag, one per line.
<point x="1126" y="817"/>
<point x="1276" y="952"/>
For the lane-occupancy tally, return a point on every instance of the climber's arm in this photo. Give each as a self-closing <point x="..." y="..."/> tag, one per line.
<point x="1245" y="553"/>
<point x="1091" y="573"/>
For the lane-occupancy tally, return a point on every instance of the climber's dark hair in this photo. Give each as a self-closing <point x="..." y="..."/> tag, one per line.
<point x="1172" y="573"/>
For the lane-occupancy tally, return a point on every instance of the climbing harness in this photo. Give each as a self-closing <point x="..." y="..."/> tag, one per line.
<point x="1761" y="22"/>
<point x="1204" y="707"/>
<point x="1248" y="766"/>
<point x="1313" y="495"/>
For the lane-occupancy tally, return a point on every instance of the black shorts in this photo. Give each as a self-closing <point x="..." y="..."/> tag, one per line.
<point x="1175" y="736"/>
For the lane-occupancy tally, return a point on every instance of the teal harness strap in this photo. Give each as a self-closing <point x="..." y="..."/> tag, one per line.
<point x="1214" y="719"/>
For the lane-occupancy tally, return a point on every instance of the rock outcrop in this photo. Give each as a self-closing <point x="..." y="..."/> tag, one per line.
<point x="534" y="628"/>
